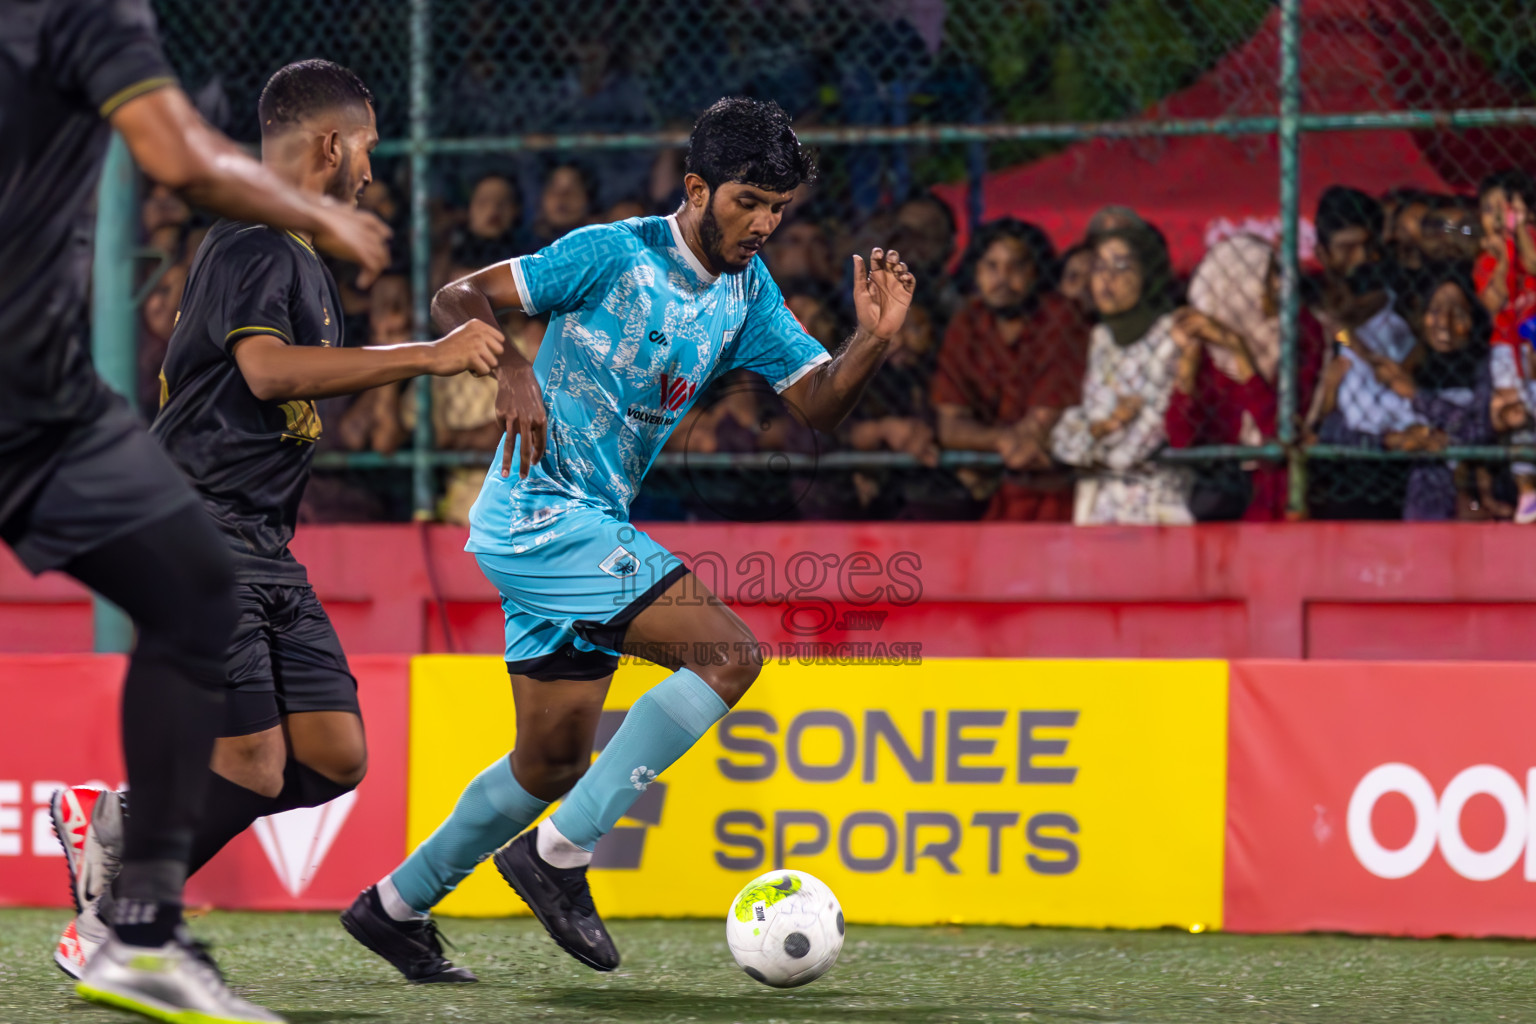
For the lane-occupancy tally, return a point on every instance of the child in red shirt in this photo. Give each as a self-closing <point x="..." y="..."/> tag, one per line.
<point x="1505" y="275"/>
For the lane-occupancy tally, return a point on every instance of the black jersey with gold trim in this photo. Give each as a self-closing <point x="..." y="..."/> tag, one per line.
<point x="248" y="458"/>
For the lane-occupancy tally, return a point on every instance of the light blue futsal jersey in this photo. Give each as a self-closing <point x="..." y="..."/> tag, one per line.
<point x="638" y="328"/>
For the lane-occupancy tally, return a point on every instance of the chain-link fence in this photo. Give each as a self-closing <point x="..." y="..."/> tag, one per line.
<point x="1179" y="259"/>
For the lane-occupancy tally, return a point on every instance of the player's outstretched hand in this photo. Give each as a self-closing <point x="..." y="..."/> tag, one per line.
<point x="355" y="235"/>
<point x="475" y="346"/>
<point x="882" y="292"/>
<point x="520" y="406"/>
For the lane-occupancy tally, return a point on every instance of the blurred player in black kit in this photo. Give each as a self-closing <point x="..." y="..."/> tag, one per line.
<point x="83" y="488"/>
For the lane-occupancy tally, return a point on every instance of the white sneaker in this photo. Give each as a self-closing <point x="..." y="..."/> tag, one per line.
<point x="175" y="983"/>
<point x="89" y="824"/>
<point x="81" y="940"/>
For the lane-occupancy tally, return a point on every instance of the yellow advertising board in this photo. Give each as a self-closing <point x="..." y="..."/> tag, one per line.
<point x="1085" y="793"/>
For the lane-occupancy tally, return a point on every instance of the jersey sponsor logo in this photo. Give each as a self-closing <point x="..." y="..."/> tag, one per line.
<point x="676" y="392"/>
<point x="621" y="563"/>
<point x="297" y="841"/>
<point x="302" y="421"/>
<point x="658" y="338"/>
<point x="655" y="419"/>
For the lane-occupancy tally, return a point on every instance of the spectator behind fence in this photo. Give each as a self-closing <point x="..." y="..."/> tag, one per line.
<point x="1403" y="214"/>
<point x="624" y="209"/>
<point x="1353" y="406"/>
<point x="565" y="204"/>
<point x="1075" y="279"/>
<point x="1012" y="359"/>
<point x="924" y="234"/>
<point x="1450" y="385"/>
<point x="165" y="217"/>
<point x="157" y="321"/>
<point x="811" y="303"/>
<point x="896" y="415"/>
<point x="799" y="250"/>
<point x="1112" y="218"/>
<point x="379" y="199"/>
<point x="664" y="188"/>
<point x="1505" y="275"/>
<point x="1229" y="340"/>
<point x="492" y="229"/>
<point x="1453" y="232"/>
<point x="1132" y="358"/>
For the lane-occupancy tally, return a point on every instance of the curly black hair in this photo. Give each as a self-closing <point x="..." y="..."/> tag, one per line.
<point x="305" y="88"/>
<point x="751" y="142"/>
<point x="1341" y="207"/>
<point x="1037" y="244"/>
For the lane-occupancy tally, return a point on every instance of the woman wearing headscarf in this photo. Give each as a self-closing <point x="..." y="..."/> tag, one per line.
<point x="1225" y="393"/>
<point x="1132" y="357"/>
<point x="1449" y="381"/>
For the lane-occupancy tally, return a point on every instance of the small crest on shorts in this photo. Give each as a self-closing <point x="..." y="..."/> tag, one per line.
<point x="621" y="563"/>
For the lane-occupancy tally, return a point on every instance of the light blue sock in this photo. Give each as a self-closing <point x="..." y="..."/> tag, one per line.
<point x="492" y="809"/>
<point x="662" y="725"/>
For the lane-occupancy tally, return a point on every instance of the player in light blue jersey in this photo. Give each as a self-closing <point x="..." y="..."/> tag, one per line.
<point x="643" y="315"/>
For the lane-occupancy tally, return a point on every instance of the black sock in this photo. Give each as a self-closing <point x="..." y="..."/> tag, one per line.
<point x="229" y="808"/>
<point x="173" y="578"/>
<point x="305" y="787"/>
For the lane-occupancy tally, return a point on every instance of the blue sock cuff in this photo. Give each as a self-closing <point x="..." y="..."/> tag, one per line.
<point x="689" y="701"/>
<point x="507" y="795"/>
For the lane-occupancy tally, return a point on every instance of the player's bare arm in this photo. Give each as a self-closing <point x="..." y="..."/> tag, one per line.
<point x="519" y="401"/>
<point x="278" y="371"/>
<point x="882" y="293"/>
<point x="175" y="146"/>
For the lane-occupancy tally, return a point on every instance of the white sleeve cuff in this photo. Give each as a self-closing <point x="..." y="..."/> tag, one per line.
<point x="788" y="382"/>
<point x="516" y="266"/>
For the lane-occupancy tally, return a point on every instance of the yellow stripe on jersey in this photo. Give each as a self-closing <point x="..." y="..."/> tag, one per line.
<point x="257" y="329"/>
<point x="305" y="244"/>
<point x="134" y="91"/>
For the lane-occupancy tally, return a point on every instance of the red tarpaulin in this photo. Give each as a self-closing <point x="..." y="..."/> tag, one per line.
<point x="1357" y="56"/>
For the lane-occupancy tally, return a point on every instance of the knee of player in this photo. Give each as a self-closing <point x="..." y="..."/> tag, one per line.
<point x="254" y="762"/>
<point x="735" y="676"/>
<point x="345" y="765"/>
<point x="347" y="773"/>
<point x="564" y="774"/>
<point x="549" y="774"/>
<point x="353" y="776"/>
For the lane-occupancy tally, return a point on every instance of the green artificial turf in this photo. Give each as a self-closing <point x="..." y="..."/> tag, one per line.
<point x="305" y="966"/>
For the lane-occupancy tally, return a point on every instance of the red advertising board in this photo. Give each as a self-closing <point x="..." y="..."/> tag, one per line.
<point x="1391" y="798"/>
<point x="60" y="726"/>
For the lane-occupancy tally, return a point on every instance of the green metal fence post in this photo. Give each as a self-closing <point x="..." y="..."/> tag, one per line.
<point x="1290" y="292"/>
<point x="421" y="248"/>
<point x="113" y="341"/>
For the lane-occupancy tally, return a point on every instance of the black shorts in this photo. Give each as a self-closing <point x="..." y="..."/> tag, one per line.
<point x="68" y="490"/>
<point x="284" y="658"/>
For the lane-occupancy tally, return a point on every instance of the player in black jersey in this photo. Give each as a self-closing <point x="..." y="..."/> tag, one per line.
<point x="257" y="339"/>
<point x="83" y="489"/>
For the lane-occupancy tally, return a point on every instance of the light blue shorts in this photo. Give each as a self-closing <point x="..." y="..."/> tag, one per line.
<point x="568" y="601"/>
